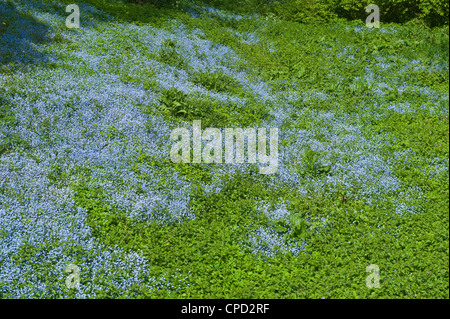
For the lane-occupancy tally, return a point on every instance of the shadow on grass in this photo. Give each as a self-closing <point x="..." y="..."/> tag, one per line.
<point x="21" y="32"/>
<point x="19" y="35"/>
<point x="153" y="12"/>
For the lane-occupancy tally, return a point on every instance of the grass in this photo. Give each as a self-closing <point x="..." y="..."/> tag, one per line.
<point x="363" y="175"/>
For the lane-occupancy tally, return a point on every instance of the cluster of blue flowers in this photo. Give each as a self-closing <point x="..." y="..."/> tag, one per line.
<point x="382" y="29"/>
<point x="43" y="231"/>
<point x="73" y="118"/>
<point x="266" y="241"/>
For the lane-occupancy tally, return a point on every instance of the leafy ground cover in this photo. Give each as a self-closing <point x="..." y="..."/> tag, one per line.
<point x="86" y="176"/>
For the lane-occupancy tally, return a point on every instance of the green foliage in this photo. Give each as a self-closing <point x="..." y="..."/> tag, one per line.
<point x="297" y="222"/>
<point x="178" y="104"/>
<point x="279" y="225"/>
<point x="298" y="225"/>
<point x="216" y="81"/>
<point x="432" y="12"/>
<point x="305" y="11"/>
<point x="146" y="82"/>
<point x="156" y="3"/>
<point x="422" y="133"/>
<point x="244" y="6"/>
<point x="106" y="222"/>
<point x="307" y="60"/>
<point x="12" y="142"/>
<point x="174" y="102"/>
<point x="169" y="54"/>
<point x="7" y="117"/>
<point x="57" y="174"/>
<point x="312" y="165"/>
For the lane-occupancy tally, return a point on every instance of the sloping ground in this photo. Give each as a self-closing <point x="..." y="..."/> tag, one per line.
<point x="86" y="176"/>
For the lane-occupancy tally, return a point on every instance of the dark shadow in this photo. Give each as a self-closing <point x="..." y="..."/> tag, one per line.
<point x="131" y="11"/>
<point x="19" y="33"/>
